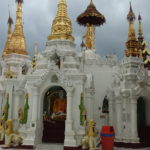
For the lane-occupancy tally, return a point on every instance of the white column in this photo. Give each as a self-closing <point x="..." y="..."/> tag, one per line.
<point x="134" y="132"/>
<point x="90" y="101"/>
<point x="35" y="106"/>
<point x="17" y="99"/>
<point x="33" y="135"/>
<point x="61" y="62"/>
<point x="111" y="113"/>
<point x="118" y="119"/>
<point x="69" y="106"/>
<point x="30" y="101"/>
<point x="10" y="111"/>
<point x="17" y="96"/>
<point x="126" y="119"/>
<point x="69" y="133"/>
<point x="1" y="103"/>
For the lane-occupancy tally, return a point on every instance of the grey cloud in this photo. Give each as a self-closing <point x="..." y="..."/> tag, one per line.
<point x="110" y="38"/>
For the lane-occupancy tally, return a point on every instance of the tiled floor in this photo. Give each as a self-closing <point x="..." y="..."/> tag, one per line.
<point x="45" y="147"/>
<point x="50" y="147"/>
<point x="128" y="149"/>
<point x="60" y="147"/>
<point x="131" y="149"/>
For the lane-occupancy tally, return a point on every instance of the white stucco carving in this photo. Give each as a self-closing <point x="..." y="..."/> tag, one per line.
<point x="122" y="82"/>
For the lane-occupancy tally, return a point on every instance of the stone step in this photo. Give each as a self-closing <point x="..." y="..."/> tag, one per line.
<point x="50" y="147"/>
<point x="43" y="147"/>
<point x="61" y="146"/>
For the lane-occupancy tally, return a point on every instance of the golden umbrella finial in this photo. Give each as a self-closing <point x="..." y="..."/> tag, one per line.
<point x="91" y="16"/>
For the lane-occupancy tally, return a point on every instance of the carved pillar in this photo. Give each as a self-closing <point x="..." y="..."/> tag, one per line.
<point x="4" y="69"/>
<point x="1" y="103"/>
<point x="126" y="118"/>
<point x="35" y="106"/>
<point x="17" y="99"/>
<point x="30" y="101"/>
<point x="69" y="133"/>
<point x="61" y="62"/>
<point x="90" y="101"/>
<point x="118" y="119"/>
<point x="111" y="112"/>
<point x="11" y="101"/>
<point x="133" y="108"/>
<point x="69" y="106"/>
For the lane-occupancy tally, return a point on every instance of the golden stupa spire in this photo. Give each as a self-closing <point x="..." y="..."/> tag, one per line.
<point x="90" y="37"/>
<point x="131" y="19"/>
<point x="17" y="43"/>
<point x="132" y="44"/>
<point x="9" y="34"/>
<point x="140" y="37"/>
<point x="62" y="26"/>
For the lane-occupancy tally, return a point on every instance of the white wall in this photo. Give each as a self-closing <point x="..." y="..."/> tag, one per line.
<point x="103" y="77"/>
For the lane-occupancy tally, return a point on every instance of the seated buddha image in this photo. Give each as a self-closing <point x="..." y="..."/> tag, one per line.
<point x="55" y="103"/>
<point x="59" y="109"/>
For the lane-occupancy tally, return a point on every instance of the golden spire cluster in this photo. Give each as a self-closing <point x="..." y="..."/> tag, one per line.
<point x="132" y="45"/>
<point x="17" y="43"/>
<point x="9" y="34"/>
<point x="62" y="26"/>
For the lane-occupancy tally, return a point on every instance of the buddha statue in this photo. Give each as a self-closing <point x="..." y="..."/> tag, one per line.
<point x="59" y="109"/>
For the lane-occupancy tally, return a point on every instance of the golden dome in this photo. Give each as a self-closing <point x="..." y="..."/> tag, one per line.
<point x="17" y="43"/>
<point x="62" y="26"/>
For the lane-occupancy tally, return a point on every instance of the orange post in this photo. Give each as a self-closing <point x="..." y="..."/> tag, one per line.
<point x="107" y="137"/>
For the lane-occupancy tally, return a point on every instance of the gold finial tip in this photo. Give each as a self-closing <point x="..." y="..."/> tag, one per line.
<point x="82" y="44"/>
<point x="131" y="15"/>
<point x="10" y="21"/>
<point x="139" y="17"/>
<point x="130" y="6"/>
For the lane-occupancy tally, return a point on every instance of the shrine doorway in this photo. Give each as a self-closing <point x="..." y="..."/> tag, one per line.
<point x="141" y="118"/>
<point x="143" y="129"/>
<point x="54" y="115"/>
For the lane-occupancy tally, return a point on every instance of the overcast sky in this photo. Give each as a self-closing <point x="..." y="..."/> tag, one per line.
<point x="110" y="38"/>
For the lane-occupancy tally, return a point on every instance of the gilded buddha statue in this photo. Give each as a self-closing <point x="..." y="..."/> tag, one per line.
<point x="59" y="109"/>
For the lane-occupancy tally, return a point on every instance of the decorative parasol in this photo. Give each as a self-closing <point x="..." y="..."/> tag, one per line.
<point x="19" y="1"/>
<point x="91" y="16"/>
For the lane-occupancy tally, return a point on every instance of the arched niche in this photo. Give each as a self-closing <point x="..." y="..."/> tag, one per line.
<point x="141" y="115"/>
<point x="105" y="107"/>
<point x="54" y="115"/>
